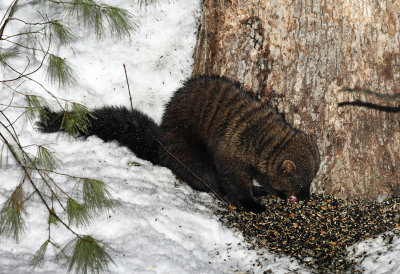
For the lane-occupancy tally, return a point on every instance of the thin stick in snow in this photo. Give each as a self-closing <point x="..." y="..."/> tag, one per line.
<point x="129" y="90"/>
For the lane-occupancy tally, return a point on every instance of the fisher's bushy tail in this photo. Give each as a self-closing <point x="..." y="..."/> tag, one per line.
<point x="130" y="128"/>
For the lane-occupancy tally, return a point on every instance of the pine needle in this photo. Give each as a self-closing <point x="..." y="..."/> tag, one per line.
<point x="37" y="259"/>
<point x="45" y="159"/>
<point x="77" y="213"/>
<point x="119" y="21"/>
<point x="96" y="195"/>
<point x="8" y="54"/>
<point x="52" y="219"/>
<point x="36" y="105"/>
<point x="11" y="221"/>
<point x="77" y="121"/>
<point x="146" y="2"/>
<point x="60" y="72"/>
<point x="18" y="154"/>
<point x="32" y="37"/>
<point x="86" y="255"/>
<point x="63" y="34"/>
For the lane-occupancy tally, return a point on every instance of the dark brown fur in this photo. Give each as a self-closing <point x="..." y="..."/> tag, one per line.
<point x="223" y="136"/>
<point x="229" y="139"/>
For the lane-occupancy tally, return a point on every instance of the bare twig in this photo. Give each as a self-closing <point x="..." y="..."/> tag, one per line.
<point x="23" y="46"/>
<point x="12" y="98"/>
<point x="129" y="90"/>
<point x="26" y="94"/>
<point x="23" y="74"/>
<point x="76" y="4"/>
<point x="43" y="87"/>
<point x="10" y="10"/>
<point x="58" y="173"/>
<point x="20" y="34"/>
<point x="33" y="24"/>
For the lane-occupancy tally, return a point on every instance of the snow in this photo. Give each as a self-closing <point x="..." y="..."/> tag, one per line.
<point x="160" y="225"/>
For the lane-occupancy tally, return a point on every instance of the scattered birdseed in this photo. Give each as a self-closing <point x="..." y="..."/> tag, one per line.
<point x="318" y="231"/>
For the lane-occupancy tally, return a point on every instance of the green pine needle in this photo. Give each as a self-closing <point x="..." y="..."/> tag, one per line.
<point x="36" y="105"/>
<point x="16" y="152"/>
<point x="93" y="15"/>
<point x="11" y="221"/>
<point x="96" y="195"/>
<point x="37" y="259"/>
<point x="86" y="255"/>
<point x="90" y="13"/>
<point x="77" y="121"/>
<point x="119" y="21"/>
<point x="45" y="159"/>
<point x="60" y="72"/>
<point x="1" y="156"/>
<point x="77" y="213"/>
<point x="85" y="8"/>
<point x="19" y="154"/>
<point x="8" y="54"/>
<point x="52" y="219"/>
<point x="63" y="34"/>
<point x="146" y="2"/>
<point x="32" y="37"/>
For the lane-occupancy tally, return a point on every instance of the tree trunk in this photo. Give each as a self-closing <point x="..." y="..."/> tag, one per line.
<point x="299" y="54"/>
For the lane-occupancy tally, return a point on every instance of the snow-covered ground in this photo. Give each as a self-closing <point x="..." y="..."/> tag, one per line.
<point x="160" y="225"/>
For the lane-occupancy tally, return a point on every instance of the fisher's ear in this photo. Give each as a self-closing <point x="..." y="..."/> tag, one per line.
<point x="288" y="166"/>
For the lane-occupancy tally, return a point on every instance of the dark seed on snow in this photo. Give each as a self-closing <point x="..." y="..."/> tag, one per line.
<point x="316" y="232"/>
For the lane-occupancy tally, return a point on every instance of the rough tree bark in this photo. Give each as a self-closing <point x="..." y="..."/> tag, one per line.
<point x="299" y="54"/>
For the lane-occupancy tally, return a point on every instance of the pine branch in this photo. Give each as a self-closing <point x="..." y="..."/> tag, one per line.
<point x="22" y="34"/>
<point x="46" y="159"/>
<point x="83" y="253"/>
<point x="23" y="74"/>
<point x="28" y="176"/>
<point x="145" y="2"/>
<point x="96" y="196"/>
<point x="25" y="159"/>
<point x="93" y="14"/>
<point x="11" y="221"/>
<point x="9" y="53"/>
<point x="52" y="219"/>
<point x="37" y="259"/>
<point x="86" y="255"/>
<point x="119" y="21"/>
<point x="40" y="105"/>
<point x="78" y="214"/>
<point x="77" y="121"/>
<point x="36" y="104"/>
<point x="63" y="34"/>
<point x="59" y="71"/>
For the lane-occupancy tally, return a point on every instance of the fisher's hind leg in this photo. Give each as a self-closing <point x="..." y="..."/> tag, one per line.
<point x="190" y="160"/>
